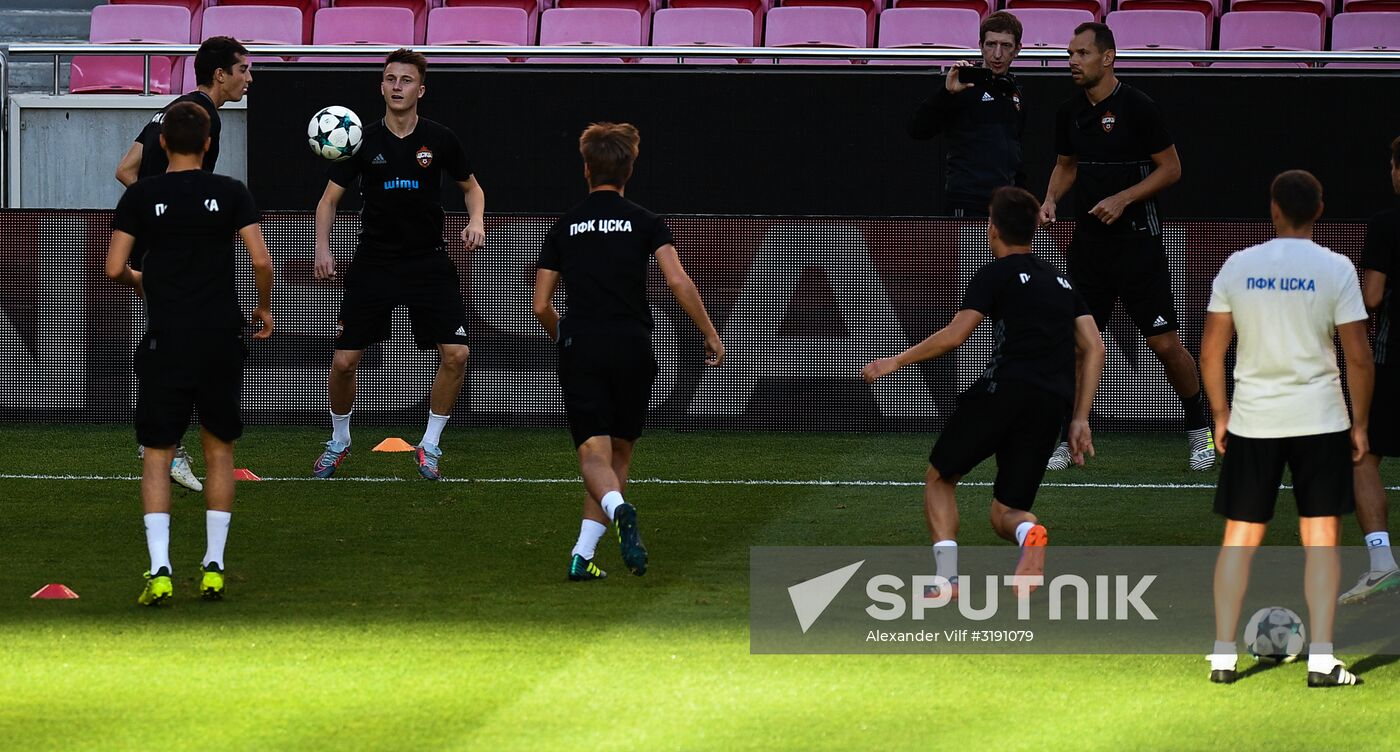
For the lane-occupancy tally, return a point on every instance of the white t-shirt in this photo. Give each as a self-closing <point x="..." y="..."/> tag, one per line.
<point x="1287" y="297"/>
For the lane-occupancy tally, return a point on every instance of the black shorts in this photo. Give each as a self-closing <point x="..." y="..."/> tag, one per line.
<point x="606" y="378"/>
<point x="1019" y="423"/>
<point x="426" y="283"/>
<point x="1252" y="469"/>
<point x="179" y="373"/>
<point x="1131" y="269"/>
<point x="1383" y="431"/>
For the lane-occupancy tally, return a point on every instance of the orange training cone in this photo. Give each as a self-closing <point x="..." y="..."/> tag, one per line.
<point x="54" y="592"/>
<point x="393" y="444"/>
<point x="244" y="473"/>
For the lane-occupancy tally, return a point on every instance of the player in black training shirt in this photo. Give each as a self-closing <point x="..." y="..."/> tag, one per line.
<point x="1047" y="358"/>
<point x="191" y="356"/>
<point x="222" y="74"/>
<point x="601" y="249"/>
<point x="401" y="258"/>
<point x="1114" y="150"/>
<point x="1381" y="259"/>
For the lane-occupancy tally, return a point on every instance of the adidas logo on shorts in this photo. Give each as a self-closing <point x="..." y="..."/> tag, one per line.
<point x="461" y="331"/>
<point x="1159" y="321"/>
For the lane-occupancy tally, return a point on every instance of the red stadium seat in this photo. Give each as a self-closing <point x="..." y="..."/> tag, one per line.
<point x="871" y="9"/>
<point x="419" y="7"/>
<point x="815" y="27"/>
<point x="983" y="7"/>
<point x="644" y="8"/>
<point x="1051" y="27"/>
<point x="759" y="9"/>
<point x="1159" y="30"/>
<point x="1366" y="31"/>
<point x="1269" y="30"/>
<point x="129" y="24"/>
<point x="477" y="26"/>
<point x="392" y="26"/>
<point x="195" y="7"/>
<point x="1208" y="8"/>
<point x="602" y="27"/>
<point x="308" y="10"/>
<point x="1098" y="8"/>
<point x="702" y="27"/>
<point x="1322" y="8"/>
<point x="250" y="25"/>
<point x="907" y="27"/>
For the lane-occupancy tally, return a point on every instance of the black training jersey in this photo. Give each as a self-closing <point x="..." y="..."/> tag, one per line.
<point x="1382" y="253"/>
<point x="401" y="181"/>
<point x="1032" y="307"/>
<point x="185" y="222"/>
<point x="601" y="249"/>
<point x="983" y="127"/>
<point x="153" y="160"/>
<point x="1114" y="141"/>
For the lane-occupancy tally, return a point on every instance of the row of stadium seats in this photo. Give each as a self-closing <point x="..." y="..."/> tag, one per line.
<point x="786" y="26"/>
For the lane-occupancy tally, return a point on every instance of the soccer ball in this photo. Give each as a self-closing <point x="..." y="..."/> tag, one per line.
<point x="1276" y="634"/>
<point x="334" y="133"/>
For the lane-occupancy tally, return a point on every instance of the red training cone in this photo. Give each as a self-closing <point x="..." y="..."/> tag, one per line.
<point x="244" y="473"/>
<point x="54" y="592"/>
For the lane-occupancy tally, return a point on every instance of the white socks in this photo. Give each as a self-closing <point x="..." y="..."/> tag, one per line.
<point x="158" y="540"/>
<point x="1021" y="531"/>
<point x="1378" y="546"/>
<point x="1223" y="656"/>
<point x="340" y="428"/>
<point x="216" y="527"/>
<point x="589" y="533"/>
<point x="611" y="501"/>
<point x="945" y="558"/>
<point x="1320" y="658"/>
<point x="433" y="435"/>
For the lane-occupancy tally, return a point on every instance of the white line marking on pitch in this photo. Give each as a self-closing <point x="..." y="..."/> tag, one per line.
<point x="664" y="482"/>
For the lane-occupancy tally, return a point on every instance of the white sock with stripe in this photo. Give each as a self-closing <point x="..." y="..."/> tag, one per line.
<point x="1378" y="546"/>
<point x="610" y="502"/>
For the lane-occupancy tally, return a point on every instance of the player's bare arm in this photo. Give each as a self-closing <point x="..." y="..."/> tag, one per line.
<point x="1061" y="180"/>
<point x="129" y="168"/>
<point x="262" y="275"/>
<point x="684" y="289"/>
<point x="1088" y="368"/>
<point x="1361" y="380"/>
<point x="546" y="280"/>
<point x="475" y="199"/>
<point x="1215" y="340"/>
<point x="118" y="252"/>
<point x="325" y="218"/>
<point x="1373" y="289"/>
<point x="943" y="341"/>
<point x="1166" y="171"/>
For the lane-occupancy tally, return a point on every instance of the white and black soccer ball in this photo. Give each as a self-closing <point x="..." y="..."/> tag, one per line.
<point x="335" y="133"/>
<point x="1275" y="634"/>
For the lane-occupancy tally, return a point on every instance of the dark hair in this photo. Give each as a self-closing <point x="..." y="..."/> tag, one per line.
<point x="1103" y="36"/>
<point x="1000" y="22"/>
<point x="1015" y="214"/>
<point x="217" y="53"/>
<point x="1298" y="195"/>
<point x="185" y="128"/>
<point x="609" y="149"/>
<point x="409" y="57"/>
<point x="1395" y="152"/>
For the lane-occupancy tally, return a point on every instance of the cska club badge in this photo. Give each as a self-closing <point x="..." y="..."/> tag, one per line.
<point x="424" y="156"/>
<point x="1108" y="122"/>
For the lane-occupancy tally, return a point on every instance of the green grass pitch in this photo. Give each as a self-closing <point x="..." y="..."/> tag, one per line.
<point x="418" y="616"/>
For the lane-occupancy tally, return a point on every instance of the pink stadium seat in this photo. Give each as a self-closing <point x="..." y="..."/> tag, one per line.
<point x="1208" y="8"/>
<point x="249" y="25"/>
<point x="1366" y="31"/>
<point x="1370" y="6"/>
<point x="871" y="9"/>
<point x="135" y="24"/>
<point x="1096" y="8"/>
<point x="361" y="26"/>
<point x="927" y="27"/>
<point x="1269" y="30"/>
<point x="308" y="10"/>
<point x="195" y="7"/>
<point x="983" y="7"/>
<point x="589" y="26"/>
<point x="1322" y="8"/>
<point x="1159" y="30"/>
<point x="702" y="27"/>
<point x="815" y="27"/>
<point x="532" y="10"/>
<point x="418" y="7"/>
<point x="477" y="26"/>
<point x="643" y="8"/>
<point x="1050" y="27"/>
<point x="759" y="8"/>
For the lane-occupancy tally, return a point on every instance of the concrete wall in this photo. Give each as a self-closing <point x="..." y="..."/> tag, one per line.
<point x="63" y="151"/>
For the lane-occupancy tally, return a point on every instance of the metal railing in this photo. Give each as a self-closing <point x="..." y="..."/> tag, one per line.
<point x="1042" y="55"/>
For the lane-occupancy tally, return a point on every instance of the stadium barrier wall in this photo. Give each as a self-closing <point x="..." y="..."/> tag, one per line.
<point x="802" y="304"/>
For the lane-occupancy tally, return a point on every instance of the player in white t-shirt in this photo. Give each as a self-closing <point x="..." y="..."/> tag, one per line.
<point x="1285" y="298"/>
